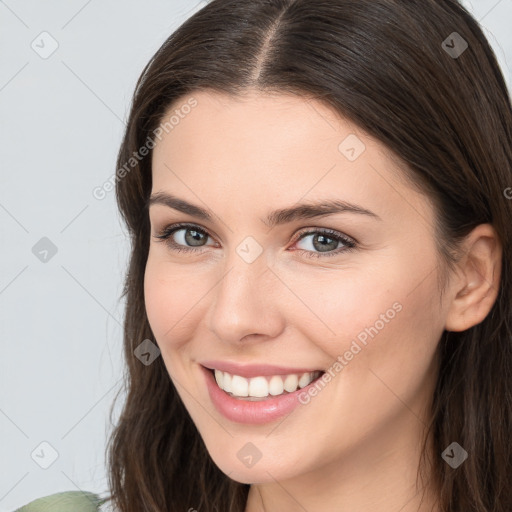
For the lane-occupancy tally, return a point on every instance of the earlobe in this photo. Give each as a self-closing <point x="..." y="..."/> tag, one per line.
<point x="478" y="285"/>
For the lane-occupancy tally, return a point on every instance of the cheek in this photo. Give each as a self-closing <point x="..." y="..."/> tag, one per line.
<point x="381" y="316"/>
<point x="171" y="302"/>
<point x="385" y="332"/>
<point x="335" y="307"/>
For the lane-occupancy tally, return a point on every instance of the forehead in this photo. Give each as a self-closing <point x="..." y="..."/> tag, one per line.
<point x="275" y="146"/>
<point x="276" y="119"/>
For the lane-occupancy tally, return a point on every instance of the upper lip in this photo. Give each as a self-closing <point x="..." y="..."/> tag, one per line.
<point x="253" y="370"/>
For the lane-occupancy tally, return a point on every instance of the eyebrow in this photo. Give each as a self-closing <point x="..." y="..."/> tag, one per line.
<point x="274" y="218"/>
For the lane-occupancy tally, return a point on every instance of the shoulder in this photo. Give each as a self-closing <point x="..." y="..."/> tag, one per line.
<point x="63" y="501"/>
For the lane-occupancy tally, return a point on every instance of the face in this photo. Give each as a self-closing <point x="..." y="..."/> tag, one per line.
<point x="352" y="292"/>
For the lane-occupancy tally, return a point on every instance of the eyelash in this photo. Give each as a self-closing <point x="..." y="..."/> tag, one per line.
<point x="350" y="244"/>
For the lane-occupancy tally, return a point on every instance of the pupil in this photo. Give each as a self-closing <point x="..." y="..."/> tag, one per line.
<point x="196" y="237"/>
<point x="324" y="247"/>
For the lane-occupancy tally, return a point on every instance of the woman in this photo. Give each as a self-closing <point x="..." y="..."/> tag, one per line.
<point x="319" y="291"/>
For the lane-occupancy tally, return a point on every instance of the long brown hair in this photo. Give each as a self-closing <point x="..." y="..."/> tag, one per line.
<point x="388" y="66"/>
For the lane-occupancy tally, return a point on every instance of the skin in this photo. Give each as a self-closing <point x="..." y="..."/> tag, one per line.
<point x="355" y="446"/>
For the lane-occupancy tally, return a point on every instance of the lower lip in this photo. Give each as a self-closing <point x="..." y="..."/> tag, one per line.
<point x="254" y="413"/>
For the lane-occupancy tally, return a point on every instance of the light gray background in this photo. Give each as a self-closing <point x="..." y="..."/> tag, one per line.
<point x="61" y="123"/>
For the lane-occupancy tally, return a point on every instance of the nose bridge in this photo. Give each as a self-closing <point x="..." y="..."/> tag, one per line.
<point x="246" y="267"/>
<point x="242" y="303"/>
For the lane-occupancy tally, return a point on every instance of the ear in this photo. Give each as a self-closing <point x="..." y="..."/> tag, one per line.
<point x="479" y="273"/>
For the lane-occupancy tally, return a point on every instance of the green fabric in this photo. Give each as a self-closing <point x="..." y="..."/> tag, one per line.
<point x="70" y="501"/>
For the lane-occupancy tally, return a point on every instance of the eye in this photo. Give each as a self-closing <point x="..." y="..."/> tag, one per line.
<point x="191" y="238"/>
<point x="191" y="234"/>
<point x="326" y="242"/>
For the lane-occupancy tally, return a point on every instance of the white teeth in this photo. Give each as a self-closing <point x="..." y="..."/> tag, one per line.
<point x="304" y="380"/>
<point x="275" y="386"/>
<point x="258" y="386"/>
<point x="239" y="386"/>
<point x="290" y="383"/>
<point x="261" y="387"/>
<point x="226" y="383"/>
<point x="219" y="377"/>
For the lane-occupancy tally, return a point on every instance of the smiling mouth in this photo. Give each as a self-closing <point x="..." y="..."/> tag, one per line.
<point x="263" y="387"/>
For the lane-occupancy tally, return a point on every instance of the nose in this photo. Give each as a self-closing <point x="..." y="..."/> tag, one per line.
<point x="246" y="302"/>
